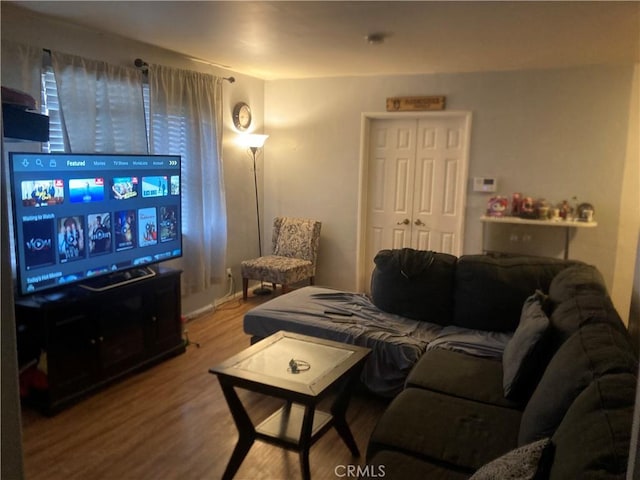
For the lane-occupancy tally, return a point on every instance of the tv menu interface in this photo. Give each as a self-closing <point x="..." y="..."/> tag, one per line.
<point x="79" y="216"/>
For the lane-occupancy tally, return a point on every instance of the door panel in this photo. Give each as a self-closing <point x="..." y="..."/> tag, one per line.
<point x="443" y="151"/>
<point x="390" y="186"/>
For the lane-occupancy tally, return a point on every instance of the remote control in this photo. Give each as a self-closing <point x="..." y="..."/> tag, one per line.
<point x="340" y="314"/>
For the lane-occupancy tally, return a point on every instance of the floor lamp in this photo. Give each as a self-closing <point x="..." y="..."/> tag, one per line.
<point x="255" y="142"/>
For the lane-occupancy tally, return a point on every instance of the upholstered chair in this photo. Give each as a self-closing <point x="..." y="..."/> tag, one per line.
<point x="295" y="251"/>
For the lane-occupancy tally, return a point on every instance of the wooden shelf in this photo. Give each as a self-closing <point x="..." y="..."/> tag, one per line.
<point x="286" y="424"/>
<point x="566" y="224"/>
<point x="539" y="223"/>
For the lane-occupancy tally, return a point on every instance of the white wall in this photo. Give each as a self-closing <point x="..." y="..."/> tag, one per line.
<point x="553" y="134"/>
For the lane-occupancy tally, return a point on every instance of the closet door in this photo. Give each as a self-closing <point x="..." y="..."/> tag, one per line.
<point x="417" y="170"/>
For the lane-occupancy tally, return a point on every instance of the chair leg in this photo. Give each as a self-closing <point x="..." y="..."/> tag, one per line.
<point x="245" y="287"/>
<point x="285" y="288"/>
<point x="312" y="280"/>
<point x="273" y="287"/>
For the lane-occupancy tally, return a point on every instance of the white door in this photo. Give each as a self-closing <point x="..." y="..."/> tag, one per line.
<point x="416" y="184"/>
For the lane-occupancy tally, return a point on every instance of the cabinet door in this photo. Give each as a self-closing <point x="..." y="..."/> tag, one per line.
<point x="71" y="354"/>
<point x="121" y="343"/>
<point x="165" y="326"/>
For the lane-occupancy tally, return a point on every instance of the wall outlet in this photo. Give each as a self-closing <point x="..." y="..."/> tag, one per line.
<point x="229" y="274"/>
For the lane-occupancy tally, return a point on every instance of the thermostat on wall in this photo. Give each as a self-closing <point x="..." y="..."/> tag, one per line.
<point x="485" y="184"/>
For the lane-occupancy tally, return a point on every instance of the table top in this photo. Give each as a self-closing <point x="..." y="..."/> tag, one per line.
<point x="321" y="363"/>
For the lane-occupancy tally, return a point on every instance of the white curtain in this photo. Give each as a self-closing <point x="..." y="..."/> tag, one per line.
<point x="185" y="110"/>
<point x="101" y="105"/>
<point x="22" y="68"/>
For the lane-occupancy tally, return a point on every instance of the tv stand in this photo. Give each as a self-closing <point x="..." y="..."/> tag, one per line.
<point x="84" y="340"/>
<point x="117" y="279"/>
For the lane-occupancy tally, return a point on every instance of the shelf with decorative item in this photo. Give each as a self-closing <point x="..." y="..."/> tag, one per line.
<point x="566" y="224"/>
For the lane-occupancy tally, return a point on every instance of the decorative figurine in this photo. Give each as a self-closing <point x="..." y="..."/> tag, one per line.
<point x="542" y="208"/>
<point x="566" y="211"/>
<point x="497" y="206"/>
<point x="527" y="208"/>
<point x="516" y="200"/>
<point x="585" y="212"/>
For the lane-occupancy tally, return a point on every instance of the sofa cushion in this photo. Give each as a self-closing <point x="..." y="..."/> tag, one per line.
<point x="527" y="462"/>
<point x="446" y="429"/>
<point x="490" y="291"/>
<point x="571" y="314"/>
<point x="460" y="375"/>
<point x="576" y="280"/>
<point x="396" y="465"/>
<point x="592" y="351"/>
<point x="416" y="284"/>
<point x="526" y="354"/>
<point x="593" y="438"/>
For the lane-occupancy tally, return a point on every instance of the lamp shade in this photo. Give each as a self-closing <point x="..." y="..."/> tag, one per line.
<point x="252" y="140"/>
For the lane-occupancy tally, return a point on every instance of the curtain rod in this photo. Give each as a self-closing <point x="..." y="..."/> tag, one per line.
<point x="144" y="66"/>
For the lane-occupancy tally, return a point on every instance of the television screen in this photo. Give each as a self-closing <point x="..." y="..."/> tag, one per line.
<point x="81" y="216"/>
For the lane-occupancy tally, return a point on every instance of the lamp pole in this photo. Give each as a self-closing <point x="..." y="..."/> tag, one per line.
<point x="255" y="142"/>
<point x="254" y="150"/>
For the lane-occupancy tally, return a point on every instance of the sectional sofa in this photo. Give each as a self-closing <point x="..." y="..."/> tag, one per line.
<point x="498" y="367"/>
<point x="558" y="404"/>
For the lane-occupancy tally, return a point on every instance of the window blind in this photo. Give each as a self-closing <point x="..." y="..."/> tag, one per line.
<point x="51" y="108"/>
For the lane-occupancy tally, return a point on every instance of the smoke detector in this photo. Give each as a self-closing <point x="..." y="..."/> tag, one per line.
<point x="375" y="38"/>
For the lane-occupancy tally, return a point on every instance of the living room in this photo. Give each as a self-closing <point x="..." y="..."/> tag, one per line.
<point x="556" y="133"/>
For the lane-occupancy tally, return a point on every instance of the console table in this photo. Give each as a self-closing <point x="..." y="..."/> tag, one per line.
<point x="566" y="224"/>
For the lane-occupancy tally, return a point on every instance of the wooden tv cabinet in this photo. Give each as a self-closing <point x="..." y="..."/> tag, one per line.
<point x="89" y="339"/>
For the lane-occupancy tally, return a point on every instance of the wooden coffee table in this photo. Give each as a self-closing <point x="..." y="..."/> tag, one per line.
<point x="321" y="367"/>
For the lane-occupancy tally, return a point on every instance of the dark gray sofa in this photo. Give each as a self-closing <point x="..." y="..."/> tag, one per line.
<point x="411" y="309"/>
<point x="558" y="404"/>
<point x="513" y="359"/>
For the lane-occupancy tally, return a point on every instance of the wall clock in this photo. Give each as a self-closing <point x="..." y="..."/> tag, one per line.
<point x="241" y="116"/>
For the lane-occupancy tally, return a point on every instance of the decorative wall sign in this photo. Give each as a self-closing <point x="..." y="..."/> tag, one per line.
<point x="415" y="104"/>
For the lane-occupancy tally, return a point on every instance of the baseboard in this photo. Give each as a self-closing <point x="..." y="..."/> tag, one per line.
<point x="228" y="298"/>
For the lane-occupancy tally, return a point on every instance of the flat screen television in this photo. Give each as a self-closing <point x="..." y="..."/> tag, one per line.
<point x="93" y="219"/>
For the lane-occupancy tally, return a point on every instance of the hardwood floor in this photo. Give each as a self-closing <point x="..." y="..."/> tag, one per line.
<point x="172" y="422"/>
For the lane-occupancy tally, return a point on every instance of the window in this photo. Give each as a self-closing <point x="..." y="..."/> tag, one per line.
<point x="51" y="107"/>
<point x="179" y="123"/>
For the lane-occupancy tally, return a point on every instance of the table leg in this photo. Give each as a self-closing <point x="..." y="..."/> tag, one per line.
<point x="305" y="441"/>
<point x="339" y="411"/>
<point x="246" y="430"/>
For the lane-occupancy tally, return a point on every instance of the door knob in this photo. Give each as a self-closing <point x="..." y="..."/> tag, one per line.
<point x="419" y="222"/>
<point x="404" y="222"/>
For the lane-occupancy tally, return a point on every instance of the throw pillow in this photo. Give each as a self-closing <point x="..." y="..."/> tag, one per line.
<point x="524" y="463"/>
<point x="523" y="357"/>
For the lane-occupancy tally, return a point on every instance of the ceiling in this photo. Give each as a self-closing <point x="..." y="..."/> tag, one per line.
<point x="275" y="40"/>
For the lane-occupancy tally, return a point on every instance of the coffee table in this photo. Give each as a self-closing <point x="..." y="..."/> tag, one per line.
<point x="302" y="370"/>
